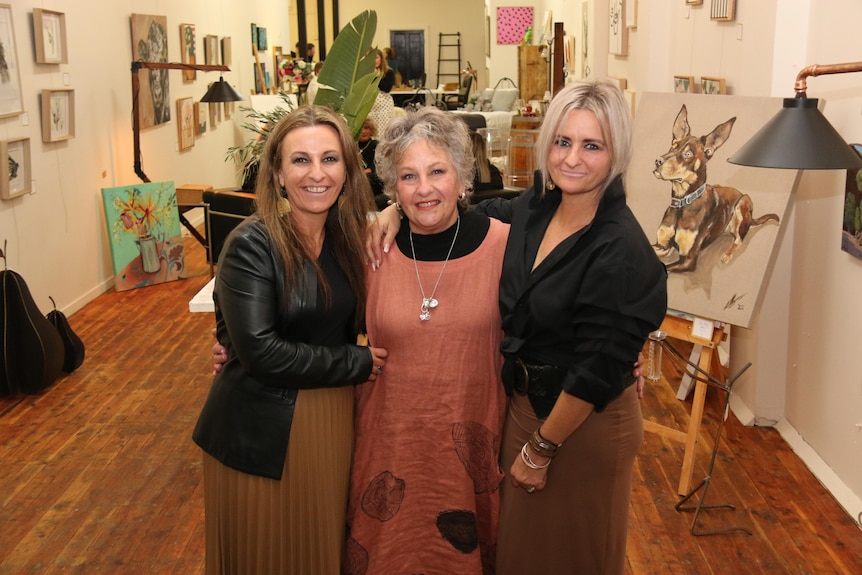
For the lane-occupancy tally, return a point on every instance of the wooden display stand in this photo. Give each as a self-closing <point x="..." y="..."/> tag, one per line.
<point x="681" y="328"/>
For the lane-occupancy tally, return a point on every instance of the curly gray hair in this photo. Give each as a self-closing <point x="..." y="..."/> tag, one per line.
<point x="440" y="129"/>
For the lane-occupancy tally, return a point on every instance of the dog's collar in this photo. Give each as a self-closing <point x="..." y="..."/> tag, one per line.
<point x="688" y="198"/>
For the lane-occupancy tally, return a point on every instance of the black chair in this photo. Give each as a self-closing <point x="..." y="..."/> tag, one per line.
<point x="463" y="96"/>
<point x="227" y="209"/>
<point x="474" y="122"/>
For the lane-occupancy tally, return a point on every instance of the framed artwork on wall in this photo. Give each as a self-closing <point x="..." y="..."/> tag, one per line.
<point x="683" y="84"/>
<point x="215" y="114"/>
<point x="619" y="82"/>
<point x="618" y="37"/>
<point x="186" y="123"/>
<point x="201" y="119"/>
<point x="631" y="99"/>
<point x="226" y="56"/>
<point x="150" y="44"/>
<point x="187" y="47"/>
<point x="49" y="34"/>
<point x="851" y="229"/>
<point x="631" y="11"/>
<point x="11" y="101"/>
<point x="211" y="50"/>
<point x="58" y="115"/>
<point x="710" y="85"/>
<point x="15" y="174"/>
<point x="512" y="23"/>
<point x="722" y="10"/>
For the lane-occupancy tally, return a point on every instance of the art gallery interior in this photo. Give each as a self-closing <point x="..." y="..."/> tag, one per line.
<point x="799" y="332"/>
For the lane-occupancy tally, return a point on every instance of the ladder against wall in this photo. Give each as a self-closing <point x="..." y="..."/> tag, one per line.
<point x="449" y="58"/>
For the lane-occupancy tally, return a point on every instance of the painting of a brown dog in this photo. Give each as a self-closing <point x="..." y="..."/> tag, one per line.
<point x="699" y="212"/>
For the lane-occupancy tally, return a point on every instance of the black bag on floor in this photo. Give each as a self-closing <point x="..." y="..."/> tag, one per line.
<point x="32" y="350"/>
<point x="74" y="347"/>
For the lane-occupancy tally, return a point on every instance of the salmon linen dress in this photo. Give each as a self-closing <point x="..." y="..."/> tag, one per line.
<point x="424" y="489"/>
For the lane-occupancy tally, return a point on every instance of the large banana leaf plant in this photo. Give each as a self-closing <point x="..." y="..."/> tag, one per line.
<point x="348" y="85"/>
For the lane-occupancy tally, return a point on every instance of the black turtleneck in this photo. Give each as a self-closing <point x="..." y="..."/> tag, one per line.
<point x="435" y="247"/>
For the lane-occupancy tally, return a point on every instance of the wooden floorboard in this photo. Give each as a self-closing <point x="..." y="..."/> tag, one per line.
<point x="99" y="473"/>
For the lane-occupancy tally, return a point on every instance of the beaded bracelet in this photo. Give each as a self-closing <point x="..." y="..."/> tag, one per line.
<point x="529" y="462"/>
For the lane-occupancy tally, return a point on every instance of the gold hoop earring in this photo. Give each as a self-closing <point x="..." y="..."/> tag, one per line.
<point x="550" y="185"/>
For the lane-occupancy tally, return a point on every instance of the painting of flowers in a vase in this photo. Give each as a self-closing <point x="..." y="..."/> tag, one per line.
<point x="144" y="232"/>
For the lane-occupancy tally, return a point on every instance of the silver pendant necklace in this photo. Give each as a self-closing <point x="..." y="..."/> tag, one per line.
<point x="429" y="303"/>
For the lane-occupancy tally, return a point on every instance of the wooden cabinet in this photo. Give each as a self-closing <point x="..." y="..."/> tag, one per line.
<point x="532" y="73"/>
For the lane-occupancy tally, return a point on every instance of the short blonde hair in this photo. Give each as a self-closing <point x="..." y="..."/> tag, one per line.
<point x="607" y="102"/>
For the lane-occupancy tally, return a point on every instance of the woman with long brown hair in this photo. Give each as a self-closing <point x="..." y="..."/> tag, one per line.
<point x="277" y="426"/>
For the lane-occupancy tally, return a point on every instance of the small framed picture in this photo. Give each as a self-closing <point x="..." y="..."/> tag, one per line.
<point x="49" y="32"/>
<point x="211" y="51"/>
<point x="11" y="99"/>
<point x="722" y="10"/>
<point x="631" y="11"/>
<point x="631" y="100"/>
<point x="215" y="114"/>
<point x="201" y="122"/>
<point x="709" y="85"/>
<point x="619" y="82"/>
<point x="188" y="53"/>
<point x="261" y="39"/>
<point x="683" y="84"/>
<point x="226" y="51"/>
<point x="186" y="123"/>
<point x="15" y="168"/>
<point x="58" y="115"/>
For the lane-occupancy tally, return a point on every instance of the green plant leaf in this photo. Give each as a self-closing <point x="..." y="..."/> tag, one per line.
<point x="351" y="56"/>
<point x="359" y="102"/>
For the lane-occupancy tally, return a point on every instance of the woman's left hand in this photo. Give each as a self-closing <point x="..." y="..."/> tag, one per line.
<point x="530" y="480"/>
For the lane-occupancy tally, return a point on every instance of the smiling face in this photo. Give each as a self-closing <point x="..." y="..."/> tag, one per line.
<point x="312" y="171"/>
<point x="579" y="160"/>
<point x="427" y="188"/>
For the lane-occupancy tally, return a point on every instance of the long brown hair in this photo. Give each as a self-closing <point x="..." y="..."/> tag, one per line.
<point x="347" y="219"/>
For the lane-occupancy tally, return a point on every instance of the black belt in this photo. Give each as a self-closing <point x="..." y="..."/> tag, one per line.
<point x="539" y="380"/>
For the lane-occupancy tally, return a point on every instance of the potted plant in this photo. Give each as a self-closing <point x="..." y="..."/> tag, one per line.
<point x="348" y="85"/>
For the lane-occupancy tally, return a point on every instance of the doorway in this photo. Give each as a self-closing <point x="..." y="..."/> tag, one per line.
<point x="409" y="46"/>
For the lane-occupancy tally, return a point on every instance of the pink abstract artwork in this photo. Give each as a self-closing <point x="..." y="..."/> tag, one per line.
<point x="512" y="24"/>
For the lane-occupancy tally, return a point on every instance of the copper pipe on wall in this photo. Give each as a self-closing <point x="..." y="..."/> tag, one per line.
<point x="820" y="70"/>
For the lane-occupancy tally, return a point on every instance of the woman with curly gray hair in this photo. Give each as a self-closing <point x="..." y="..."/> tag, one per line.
<point x="424" y="488"/>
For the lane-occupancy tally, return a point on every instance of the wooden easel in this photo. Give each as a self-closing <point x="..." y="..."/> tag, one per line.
<point x="681" y="328"/>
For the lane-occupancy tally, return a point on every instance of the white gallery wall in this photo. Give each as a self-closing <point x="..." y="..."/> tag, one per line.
<point x="56" y="236"/>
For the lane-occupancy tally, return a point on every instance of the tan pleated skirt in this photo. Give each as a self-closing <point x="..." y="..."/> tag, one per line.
<point x="261" y="526"/>
<point x="577" y="525"/>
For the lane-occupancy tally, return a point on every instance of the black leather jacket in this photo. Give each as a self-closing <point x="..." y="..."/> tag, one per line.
<point x="245" y="422"/>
